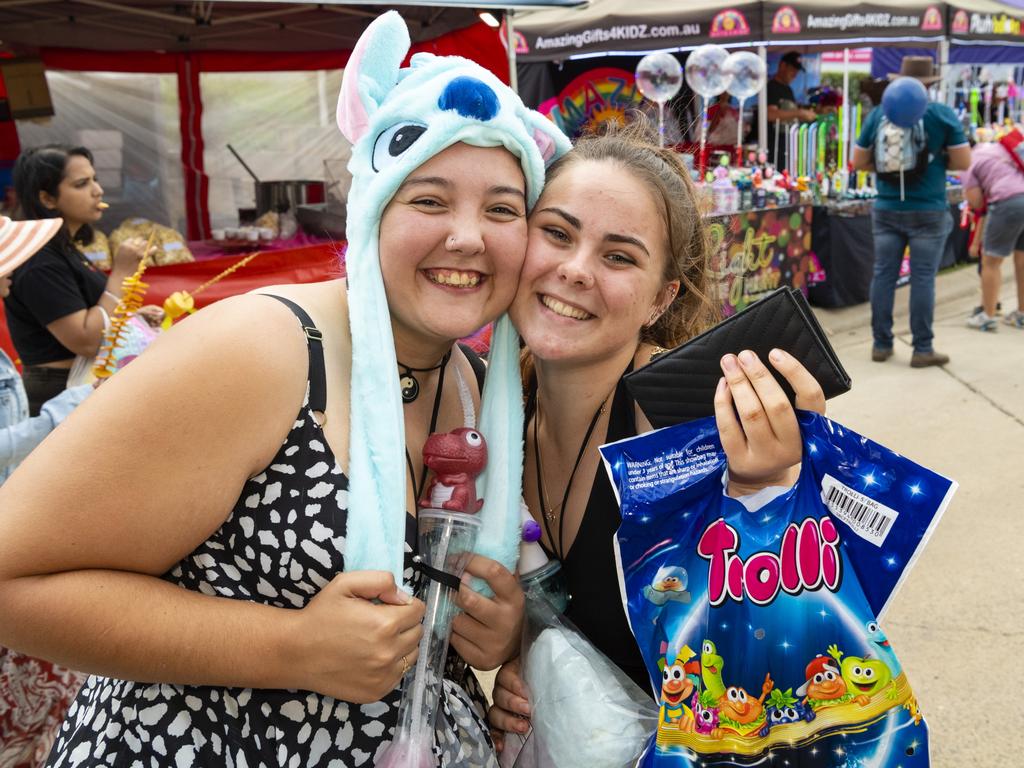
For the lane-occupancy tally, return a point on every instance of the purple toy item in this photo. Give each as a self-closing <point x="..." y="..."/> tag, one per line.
<point x="531" y="531"/>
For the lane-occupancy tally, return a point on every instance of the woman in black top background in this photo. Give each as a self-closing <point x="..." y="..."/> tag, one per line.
<point x="618" y="267"/>
<point x="58" y="299"/>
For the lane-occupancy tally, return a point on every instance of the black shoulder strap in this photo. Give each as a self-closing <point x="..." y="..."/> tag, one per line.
<point x="477" y="362"/>
<point x="314" y="342"/>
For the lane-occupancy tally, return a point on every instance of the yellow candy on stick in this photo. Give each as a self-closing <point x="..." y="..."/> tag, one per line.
<point x="133" y="291"/>
<point x="182" y="303"/>
<point x="177" y="304"/>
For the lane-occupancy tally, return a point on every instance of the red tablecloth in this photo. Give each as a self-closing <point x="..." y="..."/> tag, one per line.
<point x="305" y="264"/>
<point x="210" y="249"/>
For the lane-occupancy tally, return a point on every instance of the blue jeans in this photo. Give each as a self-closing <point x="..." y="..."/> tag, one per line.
<point x="926" y="233"/>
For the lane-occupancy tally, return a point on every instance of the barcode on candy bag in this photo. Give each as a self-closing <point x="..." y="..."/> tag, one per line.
<point x="866" y="517"/>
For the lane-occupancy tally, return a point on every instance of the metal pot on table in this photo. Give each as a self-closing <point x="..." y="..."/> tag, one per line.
<point x="282" y="196"/>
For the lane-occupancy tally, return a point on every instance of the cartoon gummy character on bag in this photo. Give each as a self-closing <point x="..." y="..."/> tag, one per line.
<point x="784" y="708"/>
<point x="825" y="686"/>
<point x="784" y="598"/>
<point x="863" y="676"/>
<point x="705" y="712"/>
<point x="679" y="682"/>
<point x="736" y="711"/>
<point x="741" y="713"/>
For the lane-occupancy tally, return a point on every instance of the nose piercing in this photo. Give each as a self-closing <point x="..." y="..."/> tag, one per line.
<point x="450" y="243"/>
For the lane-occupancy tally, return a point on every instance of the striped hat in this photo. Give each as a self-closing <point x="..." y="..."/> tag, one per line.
<point x="19" y="240"/>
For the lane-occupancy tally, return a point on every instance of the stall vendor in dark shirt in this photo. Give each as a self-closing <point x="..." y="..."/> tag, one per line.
<point x="58" y="303"/>
<point x="782" y="106"/>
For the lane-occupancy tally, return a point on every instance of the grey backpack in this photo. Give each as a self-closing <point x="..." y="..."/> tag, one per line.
<point x="901" y="154"/>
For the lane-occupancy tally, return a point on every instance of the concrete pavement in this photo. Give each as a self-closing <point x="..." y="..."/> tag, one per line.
<point x="958" y="622"/>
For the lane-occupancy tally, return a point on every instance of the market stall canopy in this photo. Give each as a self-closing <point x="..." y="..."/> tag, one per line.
<point x="645" y="25"/>
<point x="865" y="23"/>
<point x="881" y="22"/>
<point x="985" y="21"/>
<point x="227" y="25"/>
<point x="634" y="25"/>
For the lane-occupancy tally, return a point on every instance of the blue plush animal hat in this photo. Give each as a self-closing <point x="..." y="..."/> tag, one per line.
<point x="397" y="119"/>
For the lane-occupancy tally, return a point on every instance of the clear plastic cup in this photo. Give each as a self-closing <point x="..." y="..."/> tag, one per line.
<point x="446" y="541"/>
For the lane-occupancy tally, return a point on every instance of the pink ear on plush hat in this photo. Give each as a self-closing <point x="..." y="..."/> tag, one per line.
<point x="550" y="141"/>
<point x="352" y="117"/>
<point x="545" y="144"/>
<point x="371" y="73"/>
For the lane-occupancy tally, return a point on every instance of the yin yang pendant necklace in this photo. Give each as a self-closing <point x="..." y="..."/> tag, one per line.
<point x="408" y="381"/>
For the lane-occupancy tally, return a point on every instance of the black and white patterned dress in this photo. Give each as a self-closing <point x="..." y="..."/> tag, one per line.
<point x="284" y="540"/>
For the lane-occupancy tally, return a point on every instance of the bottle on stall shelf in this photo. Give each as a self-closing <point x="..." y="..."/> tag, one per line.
<point x="723" y="191"/>
<point x="746" y="192"/>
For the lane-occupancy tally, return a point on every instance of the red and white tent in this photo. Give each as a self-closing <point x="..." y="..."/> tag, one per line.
<point x="222" y="72"/>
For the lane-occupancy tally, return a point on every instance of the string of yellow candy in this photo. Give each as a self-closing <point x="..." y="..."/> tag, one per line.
<point x="133" y="291"/>
<point x="182" y="302"/>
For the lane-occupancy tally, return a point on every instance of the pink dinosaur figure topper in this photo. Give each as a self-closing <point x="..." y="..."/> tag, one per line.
<point x="456" y="457"/>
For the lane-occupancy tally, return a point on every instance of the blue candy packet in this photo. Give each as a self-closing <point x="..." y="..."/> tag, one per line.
<point x="760" y="629"/>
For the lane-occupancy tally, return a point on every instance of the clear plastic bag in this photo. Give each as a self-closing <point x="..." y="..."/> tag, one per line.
<point x="586" y="712"/>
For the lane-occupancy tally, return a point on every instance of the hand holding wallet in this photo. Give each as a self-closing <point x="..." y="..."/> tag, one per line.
<point x="680" y="385"/>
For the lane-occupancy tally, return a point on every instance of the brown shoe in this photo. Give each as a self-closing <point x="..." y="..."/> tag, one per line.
<point x="925" y="359"/>
<point x="881" y="354"/>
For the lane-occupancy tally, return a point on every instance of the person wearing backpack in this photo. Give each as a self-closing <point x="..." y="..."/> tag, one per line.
<point x="994" y="185"/>
<point x="911" y="210"/>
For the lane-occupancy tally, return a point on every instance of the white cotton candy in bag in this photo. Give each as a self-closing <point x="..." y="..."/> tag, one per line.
<point x="582" y="714"/>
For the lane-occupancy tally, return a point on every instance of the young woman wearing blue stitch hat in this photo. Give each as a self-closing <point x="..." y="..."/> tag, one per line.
<point x="229" y="560"/>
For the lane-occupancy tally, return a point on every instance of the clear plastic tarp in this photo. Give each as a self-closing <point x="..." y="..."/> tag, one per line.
<point x="282" y="124"/>
<point x="130" y="124"/>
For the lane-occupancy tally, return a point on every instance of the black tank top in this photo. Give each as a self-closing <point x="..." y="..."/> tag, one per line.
<point x="589" y="566"/>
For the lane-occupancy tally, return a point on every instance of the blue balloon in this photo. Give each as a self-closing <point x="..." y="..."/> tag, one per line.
<point x="905" y="101"/>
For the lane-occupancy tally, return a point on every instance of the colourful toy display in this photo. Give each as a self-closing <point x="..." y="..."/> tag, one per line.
<point x="784" y="600"/>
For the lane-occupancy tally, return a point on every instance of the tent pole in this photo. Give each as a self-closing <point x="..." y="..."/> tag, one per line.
<point x="510" y="44"/>
<point x="762" y="106"/>
<point x="944" y="92"/>
<point x="847" y="108"/>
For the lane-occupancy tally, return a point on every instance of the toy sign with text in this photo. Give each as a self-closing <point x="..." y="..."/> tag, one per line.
<point x="756" y="252"/>
<point x="605" y="94"/>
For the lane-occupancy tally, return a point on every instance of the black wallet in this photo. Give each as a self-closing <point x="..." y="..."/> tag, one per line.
<point x="680" y="385"/>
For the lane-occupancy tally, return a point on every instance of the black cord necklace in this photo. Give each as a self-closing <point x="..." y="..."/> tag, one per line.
<point x="411" y="385"/>
<point x="418" y="489"/>
<point x="548" y="514"/>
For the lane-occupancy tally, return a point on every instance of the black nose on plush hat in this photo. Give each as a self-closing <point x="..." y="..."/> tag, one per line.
<point x="919" y="67"/>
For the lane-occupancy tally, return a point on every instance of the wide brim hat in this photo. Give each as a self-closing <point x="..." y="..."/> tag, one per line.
<point x="918" y="67"/>
<point x="19" y="240"/>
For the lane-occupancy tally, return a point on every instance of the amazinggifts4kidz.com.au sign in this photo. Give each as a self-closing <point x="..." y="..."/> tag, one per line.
<point x="801" y="22"/>
<point x="678" y="28"/>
